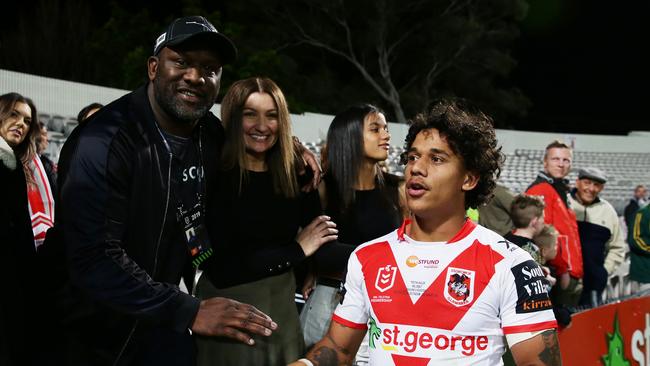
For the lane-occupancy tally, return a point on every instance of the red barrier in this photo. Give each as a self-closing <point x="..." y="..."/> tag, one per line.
<point x="611" y="335"/>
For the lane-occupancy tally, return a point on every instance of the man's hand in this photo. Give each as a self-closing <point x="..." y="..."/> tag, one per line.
<point x="308" y="159"/>
<point x="223" y="317"/>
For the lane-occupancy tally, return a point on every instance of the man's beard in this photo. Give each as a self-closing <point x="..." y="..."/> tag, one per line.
<point x="166" y="99"/>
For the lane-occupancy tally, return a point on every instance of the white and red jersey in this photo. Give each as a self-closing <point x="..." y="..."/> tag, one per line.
<point x="443" y="303"/>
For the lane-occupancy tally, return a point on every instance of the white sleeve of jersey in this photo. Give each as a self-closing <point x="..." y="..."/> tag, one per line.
<point x="353" y="310"/>
<point x="525" y="304"/>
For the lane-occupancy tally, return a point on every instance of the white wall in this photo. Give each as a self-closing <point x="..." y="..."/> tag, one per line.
<point x="66" y="98"/>
<point x="53" y="96"/>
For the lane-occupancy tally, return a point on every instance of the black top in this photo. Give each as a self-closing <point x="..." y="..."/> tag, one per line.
<point x="371" y="216"/>
<point x="18" y="270"/>
<point x="374" y="213"/>
<point x="253" y="232"/>
<point x="629" y="214"/>
<point x="520" y="241"/>
<point x="527" y="245"/>
<point x="50" y="171"/>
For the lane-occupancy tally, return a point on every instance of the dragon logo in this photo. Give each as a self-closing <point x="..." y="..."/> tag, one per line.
<point x="460" y="286"/>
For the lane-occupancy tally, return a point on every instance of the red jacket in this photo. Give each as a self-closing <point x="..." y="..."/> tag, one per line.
<point x="556" y="213"/>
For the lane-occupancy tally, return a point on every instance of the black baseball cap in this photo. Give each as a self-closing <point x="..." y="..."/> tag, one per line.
<point x="184" y="29"/>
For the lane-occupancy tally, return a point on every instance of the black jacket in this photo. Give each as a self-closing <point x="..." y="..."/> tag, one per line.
<point x="125" y="250"/>
<point x="629" y="213"/>
<point x="17" y="266"/>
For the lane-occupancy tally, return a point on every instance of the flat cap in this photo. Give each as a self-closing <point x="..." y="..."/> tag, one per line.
<point x="592" y="173"/>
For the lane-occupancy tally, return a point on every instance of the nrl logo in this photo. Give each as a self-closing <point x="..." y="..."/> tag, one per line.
<point x="385" y="278"/>
<point x="460" y="286"/>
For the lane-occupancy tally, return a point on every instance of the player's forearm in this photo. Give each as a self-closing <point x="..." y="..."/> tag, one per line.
<point x="541" y="350"/>
<point x="328" y="353"/>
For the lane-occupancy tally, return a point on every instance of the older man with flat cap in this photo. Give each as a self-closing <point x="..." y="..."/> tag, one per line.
<point x="600" y="233"/>
<point x="133" y="203"/>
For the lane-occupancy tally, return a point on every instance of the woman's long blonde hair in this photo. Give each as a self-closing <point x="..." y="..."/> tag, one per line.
<point x="280" y="159"/>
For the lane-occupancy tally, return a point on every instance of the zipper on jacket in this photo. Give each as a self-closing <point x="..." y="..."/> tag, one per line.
<point x="128" y="339"/>
<point x="162" y="229"/>
<point x="164" y="221"/>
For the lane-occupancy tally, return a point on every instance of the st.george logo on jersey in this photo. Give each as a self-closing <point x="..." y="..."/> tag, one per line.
<point x="460" y="286"/>
<point x="385" y="278"/>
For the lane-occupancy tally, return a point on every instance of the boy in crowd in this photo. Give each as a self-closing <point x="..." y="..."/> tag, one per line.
<point x="527" y="214"/>
<point x="546" y="241"/>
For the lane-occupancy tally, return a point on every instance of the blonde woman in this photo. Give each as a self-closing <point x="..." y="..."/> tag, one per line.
<point x="255" y="215"/>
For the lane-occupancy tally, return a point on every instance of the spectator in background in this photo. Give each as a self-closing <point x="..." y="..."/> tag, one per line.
<point x="639" y="241"/>
<point x="70" y="145"/>
<point x="24" y="332"/>
<point x="42" y="142"/>
<point x="495" y="215"/>
<point x="603" y="246"/>
<point x="636" y="203"/>
<point x="552" y="185"/>
<point x="88" y="111"/>
<point x="546" y="241"/>
<point x="527" y="214"/>
<point x="364" y="201"/>
<point x="257" y="210"/>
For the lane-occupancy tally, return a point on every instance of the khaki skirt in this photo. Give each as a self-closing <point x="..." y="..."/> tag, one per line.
<point x="275" y="296"/>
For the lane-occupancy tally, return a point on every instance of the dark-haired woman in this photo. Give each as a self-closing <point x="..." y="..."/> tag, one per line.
<point x="19" y="332"/>
<point x="258" y="210"/>
<point x="364" y="201"/>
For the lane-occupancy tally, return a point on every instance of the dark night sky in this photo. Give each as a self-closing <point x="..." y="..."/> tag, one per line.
<point x="583" y="64"/>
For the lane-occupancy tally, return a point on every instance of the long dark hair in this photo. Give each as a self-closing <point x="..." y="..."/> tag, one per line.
<point x="343" y="156"/>
<point x="26" y="150"/>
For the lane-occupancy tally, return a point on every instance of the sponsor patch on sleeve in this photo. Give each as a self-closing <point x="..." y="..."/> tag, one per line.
<point x="530" y="282"/>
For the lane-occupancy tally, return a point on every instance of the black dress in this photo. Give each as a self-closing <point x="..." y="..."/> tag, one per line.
<point x="21" y="342"/>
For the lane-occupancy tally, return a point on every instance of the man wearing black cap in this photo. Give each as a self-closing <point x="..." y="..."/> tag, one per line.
<point x="600" y="234"/>
<point x="133" y="212"/>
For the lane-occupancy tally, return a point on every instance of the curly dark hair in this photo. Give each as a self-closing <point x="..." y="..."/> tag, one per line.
<point x="470" y="135"/>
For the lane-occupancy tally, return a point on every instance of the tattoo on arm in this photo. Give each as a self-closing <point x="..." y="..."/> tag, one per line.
<point x="328" y="356"/>
<point x="551" y="354"/>
<point x="324" y="356"/>
<point x="340" y="349"/>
